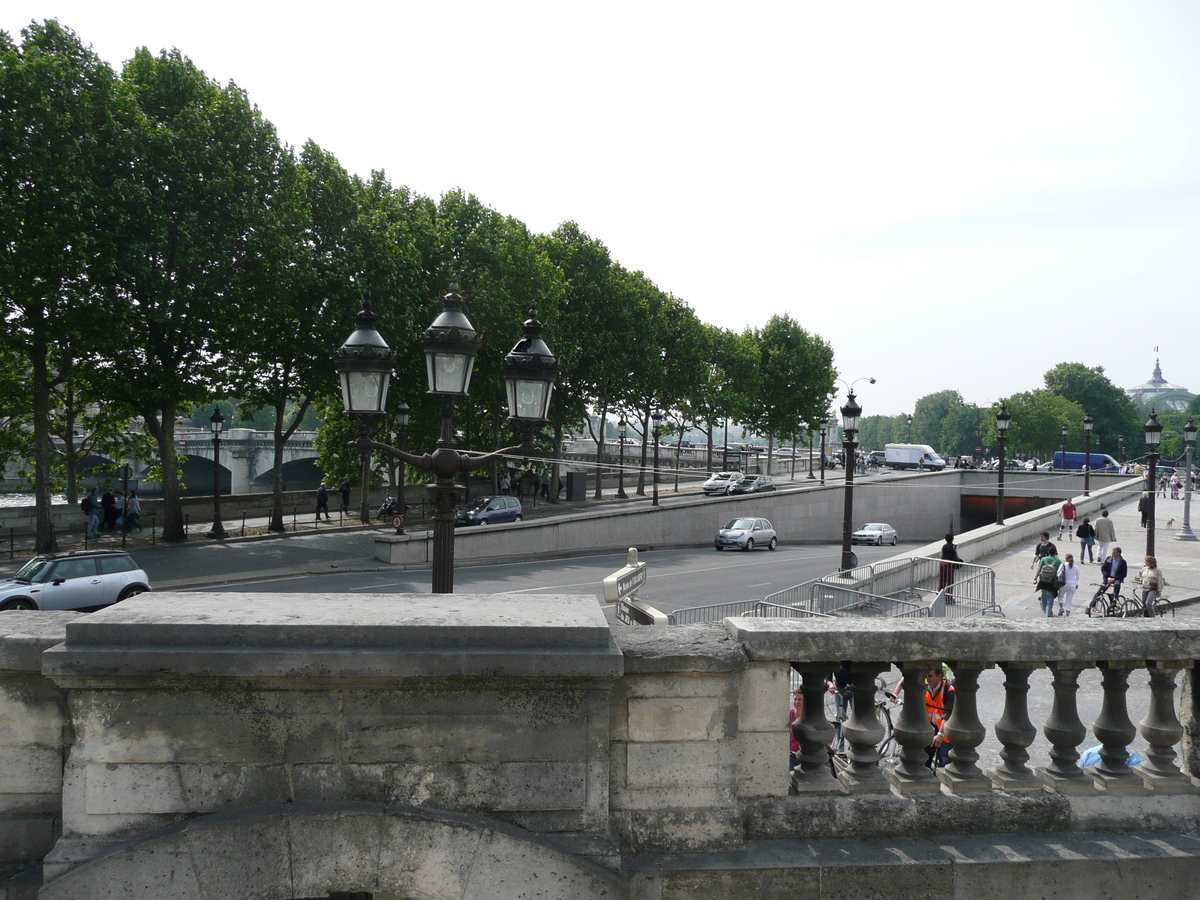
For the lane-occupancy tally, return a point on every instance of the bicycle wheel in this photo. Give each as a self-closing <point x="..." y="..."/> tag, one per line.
<point x="1164" y="607"/>
<point x="1129" y="608"/>
<point x="889" y="753"/>
<point x="1099" y="605"/>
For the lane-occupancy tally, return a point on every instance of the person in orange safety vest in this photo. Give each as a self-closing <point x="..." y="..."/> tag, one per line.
<point x="939" y="704"/>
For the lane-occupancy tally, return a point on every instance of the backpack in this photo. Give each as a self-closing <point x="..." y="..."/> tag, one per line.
<point x="1047" y="575"/>
<point x="86" y="504"/>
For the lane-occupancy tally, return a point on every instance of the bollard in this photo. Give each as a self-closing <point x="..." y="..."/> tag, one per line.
<point x="153" y="525"/>
<point x="243" y="523"/>
<point x="293" y="518"/>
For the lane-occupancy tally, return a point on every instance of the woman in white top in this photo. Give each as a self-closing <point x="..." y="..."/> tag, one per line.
<point x="1153" y="581"/>
<point x="1068" y="574"/>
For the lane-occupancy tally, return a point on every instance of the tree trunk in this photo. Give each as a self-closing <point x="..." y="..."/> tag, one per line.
<point x="600" y="452"/>
<point x="556" y="469"/>
<point x="641" y="485"/>
<point x="163" y="432"/>
<point x="276" y="523"/>
<point x="45" y="541"/>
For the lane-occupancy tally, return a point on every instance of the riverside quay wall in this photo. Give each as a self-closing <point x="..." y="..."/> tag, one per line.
<point x="477" y="746"/>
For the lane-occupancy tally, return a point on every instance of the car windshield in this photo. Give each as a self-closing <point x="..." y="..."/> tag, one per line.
<point x="874" y="526"/>
<point x="478" y="503"/>
<point x="741" y="524"/>
<point x="35" y="570"/>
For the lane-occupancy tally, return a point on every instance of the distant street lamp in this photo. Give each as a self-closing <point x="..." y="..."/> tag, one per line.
<point x="622" y="427"/>
<point x="403" y="416"/>
<point x="811" y="473"/>
<point x="215" y="421"/>
<point x="657" y="416"/>
<point x="824" y="431"/>
<point x="1002" y="422"/>
<point x="1121" y="447"/>
<point x="851" y="413"/>
<point x="365" y="363"/>
<point x="1189" y="438"/>
<point x="1088" y="424"/>
<point x="908" y="419"/>
<point x="1153" y="432"/>
<point x="1063" y="457"/>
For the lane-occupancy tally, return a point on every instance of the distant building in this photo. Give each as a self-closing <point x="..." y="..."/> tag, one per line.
<point x="1160" y="393"/>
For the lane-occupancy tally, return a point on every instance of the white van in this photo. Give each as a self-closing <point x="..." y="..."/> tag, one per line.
<point x="912" y="456"/>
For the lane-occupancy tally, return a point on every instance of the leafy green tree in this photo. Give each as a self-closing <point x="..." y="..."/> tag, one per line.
<point x="1035" y="429"/>
<point x="59" y="124"/>
<point x="962" y="430"/>
<point x="732" y="383"/>
<point x="796" y="378"/>
<point x="929" y="414"/>
<point x="1114" y="413"/>
<point x="196" y="229"/>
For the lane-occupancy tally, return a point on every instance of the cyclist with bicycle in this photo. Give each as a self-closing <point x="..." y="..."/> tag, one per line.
<point x="1152" y="581"/>
<point x="939" y="704"/>
<point x="1114" y="570"/>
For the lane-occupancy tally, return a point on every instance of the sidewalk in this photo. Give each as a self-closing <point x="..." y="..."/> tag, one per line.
<point x="1179" y="560"/>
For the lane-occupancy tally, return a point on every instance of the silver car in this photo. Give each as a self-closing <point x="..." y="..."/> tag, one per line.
<point x="84" y="580"/>
<point x="746" y="534"/>
<point x="879" y="533"/>
<point x="718" y="482"/>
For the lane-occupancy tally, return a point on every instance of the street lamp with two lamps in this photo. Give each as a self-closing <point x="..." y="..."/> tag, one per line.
<point x="1189" y="439"/>
<point x="365" y="363"/>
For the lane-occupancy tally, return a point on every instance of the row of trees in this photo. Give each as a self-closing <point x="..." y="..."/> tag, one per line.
<point x="161" y="249"/>
<point x="945" y="421"/>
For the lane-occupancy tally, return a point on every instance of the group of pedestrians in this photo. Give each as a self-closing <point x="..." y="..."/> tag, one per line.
<point x="530" y="483"/>
<point x="111" y="510"/>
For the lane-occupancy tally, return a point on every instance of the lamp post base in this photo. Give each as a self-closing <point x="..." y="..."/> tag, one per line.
<point x="220" y="533"/>
<point x="1185" y="534"/>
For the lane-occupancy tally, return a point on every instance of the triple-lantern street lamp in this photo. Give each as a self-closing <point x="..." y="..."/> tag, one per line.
<point x="365" y="364"/>
<point x="1003" y="418"/>
<point x="1153" y="431"/>
<point x="215" y="422"/>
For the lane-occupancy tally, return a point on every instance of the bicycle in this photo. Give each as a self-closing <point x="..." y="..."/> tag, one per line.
<point x="1107" y="601"/>
<point x="1162" y="605"/>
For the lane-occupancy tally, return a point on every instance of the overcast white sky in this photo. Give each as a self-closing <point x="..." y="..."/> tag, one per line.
<point x="954" y="195"/>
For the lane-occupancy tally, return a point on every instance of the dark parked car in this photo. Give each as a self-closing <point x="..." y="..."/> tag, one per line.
<point x="83" y="580"/>
<point x="489" y="511"/>
<point x="750" y="484"/>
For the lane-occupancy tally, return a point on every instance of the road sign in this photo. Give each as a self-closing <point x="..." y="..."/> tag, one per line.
<point x="398" y="523"/>
<point x="635" y="612"/>
<point x="626" y="581"/>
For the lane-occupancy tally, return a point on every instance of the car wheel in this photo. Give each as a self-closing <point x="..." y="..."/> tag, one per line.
<point x="128" y="592"/>
<point x="750" y="543"/>
<point x="19" y="603"/>
<point x="483" y="521"/>
<point x="879" y="541"/>
<point x="895" y="537"/>
<point x="719" y="548"/>
<point x="772" y="545"/>
<point x="517" y="519"/>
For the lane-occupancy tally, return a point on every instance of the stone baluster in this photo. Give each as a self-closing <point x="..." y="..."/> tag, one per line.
<point x="863" y="732"/>
<point x="1015" y="732"/>
<point x="965" y="732"/>
<point x="1065" y="732"/>
<point x="913" y="733"/>
<point x="814" y="732"/>
<point x="1115" y="732"/>
<point x="1162" y="732"/>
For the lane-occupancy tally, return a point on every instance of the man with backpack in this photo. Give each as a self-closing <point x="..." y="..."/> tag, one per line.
<point x="90" y="505"/>
<point x="1048" y="582"/>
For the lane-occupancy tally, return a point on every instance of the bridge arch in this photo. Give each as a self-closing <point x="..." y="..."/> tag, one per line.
<point x="308" y="850"/>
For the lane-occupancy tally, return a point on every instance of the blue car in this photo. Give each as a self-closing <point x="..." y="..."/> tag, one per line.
<point x="489" y="511"/>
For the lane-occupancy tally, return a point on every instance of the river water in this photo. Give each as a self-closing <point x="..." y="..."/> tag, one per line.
<point x="22" y="498"/>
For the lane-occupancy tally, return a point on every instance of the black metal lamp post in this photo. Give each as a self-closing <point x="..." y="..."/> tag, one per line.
<point x="1153" y="431"/>
<point x="215" y="421"/>
<point x="851" y="413"/>
<point x="622" y="427"/>
<point x="824" y="431"/>
<point x="1003" y="418"/>
<point x="1189" y="439"/>
<point x="811" y="473"/>
<point x="657" y="416"/>
<point x="909" y="421"/>
<point x="1121" y="447"/>
<point x="1088" y="424"/>
<point x="451" y="344"/>
<point x="1063" y="457"/>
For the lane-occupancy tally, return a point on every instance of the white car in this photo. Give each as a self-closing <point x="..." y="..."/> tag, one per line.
<point x="745" y="534"/>
<point x="718" y="483"/>
<point x="878" y="533"/>
<point x="82" y="580"/>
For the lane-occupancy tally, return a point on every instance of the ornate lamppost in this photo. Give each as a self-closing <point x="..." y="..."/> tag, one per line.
<point x="403" y="416"/>
<point x="1121" y="448"/>
<point x="1003" y="418"/>
<point x="450" y="345"/>
<point x="1153" y="432"/>
<point x="622" y="430"/>
<point x="851" y="413"/>
<point x="908" y="419"/>
<point x="1189" y="439"/>
<point x="1088" y="424"/>
<point x="657" y="416"/>
<point x="824" y="431"/>
<point x="215" y="421"/>
<point x="811" y="473"/>
<point x="1063" y="456"/>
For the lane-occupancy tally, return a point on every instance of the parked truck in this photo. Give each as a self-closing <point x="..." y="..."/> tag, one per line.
<point x="1099" y="462"/>
<point x="912" y="456"/>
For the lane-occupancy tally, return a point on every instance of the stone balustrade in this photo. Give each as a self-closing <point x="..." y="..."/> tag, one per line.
<point x="173" y="737"/>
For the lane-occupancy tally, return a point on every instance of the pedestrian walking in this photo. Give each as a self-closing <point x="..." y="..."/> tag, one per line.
<point x="950" y="561"/>
<point x="91" y="508"/>
<point x="1106" y="533"/>
<point x="344" y="490"/>
<point x="322" y="502"/>
<point x="1087" y="539"/>
<point x="1144" y="506"/>
<point x="1068" y="576"/>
